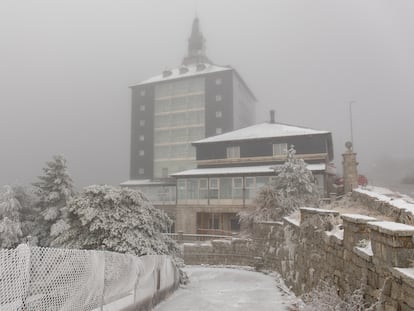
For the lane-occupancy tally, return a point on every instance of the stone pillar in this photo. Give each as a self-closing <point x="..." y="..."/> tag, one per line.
<point x="355" y="229"/>
<point x="350" y="169"/>
<point x="316" y="217"/>
<point x="392" y="243"/>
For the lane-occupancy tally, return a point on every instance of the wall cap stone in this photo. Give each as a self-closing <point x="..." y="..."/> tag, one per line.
<point x="312" y="210"/>
<point x="392" y="228"/>
<point x="357" y="218"/>
<point x="404" y="274"/>
<point x="269" y="222"/>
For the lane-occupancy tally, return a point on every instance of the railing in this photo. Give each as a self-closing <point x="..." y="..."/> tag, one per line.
<point x="214" y="232"/>
<point x="181" y="237"/>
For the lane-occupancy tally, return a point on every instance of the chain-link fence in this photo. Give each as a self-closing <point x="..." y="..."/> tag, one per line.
<point x="52" y="279"/>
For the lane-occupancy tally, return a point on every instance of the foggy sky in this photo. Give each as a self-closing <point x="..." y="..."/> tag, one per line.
<point x="65" y="68"/>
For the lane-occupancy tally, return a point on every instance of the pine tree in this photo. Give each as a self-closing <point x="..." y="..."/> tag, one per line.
<point x="10" y="229"/>
<point x="120" y="220"/>
<point x="54" y="190"/>
<point x="293" y="187"/>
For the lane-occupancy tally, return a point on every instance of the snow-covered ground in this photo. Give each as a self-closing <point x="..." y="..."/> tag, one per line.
<point x="225" y="289"/>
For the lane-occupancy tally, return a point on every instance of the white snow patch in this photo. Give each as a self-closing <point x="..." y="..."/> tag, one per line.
<point x="395" y="199"/>
<point x="391" y="227"/>
<point x="336" y="232"/>
<point x="227" y="289"/>
<point x="262" y="130"/>
<point x="266" y="169"/>
<point x="192" y="71"/>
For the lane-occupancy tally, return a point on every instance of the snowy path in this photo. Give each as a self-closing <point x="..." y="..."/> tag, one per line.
<point x="223" y="289"/>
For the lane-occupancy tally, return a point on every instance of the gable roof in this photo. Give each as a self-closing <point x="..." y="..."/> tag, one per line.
<point x="262" y="130"/>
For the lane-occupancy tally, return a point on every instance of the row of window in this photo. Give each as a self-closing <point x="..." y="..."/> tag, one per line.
<point x="278" y="150"/>
<point x="184" y="150"/>
<point x="184" y="118"/>
<point x="186" y="102"/>
<point x="175" y="121"/>
<point x="178" y="87"/>
<point x="178" y="135"/>
<point x="217" y="188"/>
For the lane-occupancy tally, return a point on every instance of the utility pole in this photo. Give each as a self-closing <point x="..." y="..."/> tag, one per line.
<point x="350" y="121"/>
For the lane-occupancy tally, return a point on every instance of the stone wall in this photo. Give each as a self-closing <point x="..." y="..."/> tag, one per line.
<point x="383" y="207"/>
<point x="351" y="251"/>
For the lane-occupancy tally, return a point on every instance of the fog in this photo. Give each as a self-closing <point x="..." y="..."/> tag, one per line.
<point x="65" y="68"/>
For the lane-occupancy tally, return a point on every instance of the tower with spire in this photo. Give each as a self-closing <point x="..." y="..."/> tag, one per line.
<point x="196" y="46"/>
<point x="169" y="111"/>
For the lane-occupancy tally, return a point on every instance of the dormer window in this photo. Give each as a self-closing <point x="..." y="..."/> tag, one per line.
<point x="183" y="70"/>
<point x="233" y="152"/>
<point x="280" y="149"/>
<point x="166" y="73"/>
<point x="200" y="67"/>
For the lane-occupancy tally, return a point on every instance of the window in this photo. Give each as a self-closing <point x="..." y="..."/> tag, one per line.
<point x="280" y="149"/>
<point x="214" y="188"/>
<point x="219" y="81"/>
<point x="237" y="187"/>
<point x="181" y="189"/>
<point x="141" y="137"/>
<point x="141" y="171"/>
<point x="164" y="172"/>
<point x="226" y="188"/>
<point x="250" y="182"/>
<point x="192" y="189"/>
<point x="141" y="153"/>
<point x="219" y="130"/>
<point x="142" y="92"/>
<point x="141" y="122"/>
<point x="218" y="98"/>
<point x="142" y="107"/>
<point x="202" y="186"/>
<point x="233" y="152"/>
<point x="272" y="179"/>
<point x="219" y="114"/>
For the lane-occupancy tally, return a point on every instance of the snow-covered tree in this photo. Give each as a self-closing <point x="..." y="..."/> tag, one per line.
<point x="54" y="190"/>
<point x="293" y="186"/>
<point x="10" y="229"/>
<point x="121" y="220"/>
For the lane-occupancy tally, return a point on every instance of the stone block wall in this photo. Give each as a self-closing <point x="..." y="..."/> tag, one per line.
<point x="352" y="251"/>
<point x="384" y="208"/>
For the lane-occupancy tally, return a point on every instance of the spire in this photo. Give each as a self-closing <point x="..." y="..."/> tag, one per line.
<point x="196" y="46"/>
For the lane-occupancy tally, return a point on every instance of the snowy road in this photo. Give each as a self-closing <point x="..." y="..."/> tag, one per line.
<point x="223" y="289"/>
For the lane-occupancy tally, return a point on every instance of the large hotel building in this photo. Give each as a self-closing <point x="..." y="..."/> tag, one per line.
<point x="169" y="111"/>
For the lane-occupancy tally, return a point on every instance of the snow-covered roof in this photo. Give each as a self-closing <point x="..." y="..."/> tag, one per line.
<point x="263" y="169"/>
<point x="144" y="182"/>
<point x="190" y="71"/>
<point x="262" y="130"/>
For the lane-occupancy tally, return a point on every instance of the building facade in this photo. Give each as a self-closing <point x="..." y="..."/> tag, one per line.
<point x="169" y="111"/>
<point x="234" y="166"/>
